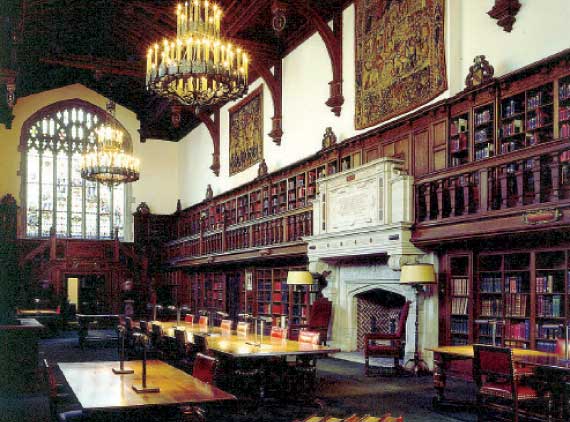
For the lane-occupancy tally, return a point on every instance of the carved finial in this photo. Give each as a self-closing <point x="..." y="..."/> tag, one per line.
<point x="178" y="206"/>
<point x="262" y="170"/>
<point x="143" y="208"/>
<point x="329" y="138"/>
<point x="480" y="72"/>
<point x="505" y="11"/>
<point x="8" y="199"/>
<point x="209" y="193"/>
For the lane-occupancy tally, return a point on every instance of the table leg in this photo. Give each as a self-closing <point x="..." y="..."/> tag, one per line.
<point x="439" y="380"/>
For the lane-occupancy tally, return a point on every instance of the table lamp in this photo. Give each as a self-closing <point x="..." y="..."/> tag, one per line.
<point x="300" y="278"/>
<point x="417" y="276"/>
<point x="121" y="331"/>
<point x="144" y="388"/>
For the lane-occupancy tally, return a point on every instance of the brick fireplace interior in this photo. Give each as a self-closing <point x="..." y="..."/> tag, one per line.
<point x="375" y="311"/>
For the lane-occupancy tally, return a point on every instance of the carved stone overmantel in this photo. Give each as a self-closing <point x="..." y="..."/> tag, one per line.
<point x="362" y="222"/>
<point x="365" y="211"/>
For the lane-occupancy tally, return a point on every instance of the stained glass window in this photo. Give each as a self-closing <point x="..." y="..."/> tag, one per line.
<point x="56" y="195"/>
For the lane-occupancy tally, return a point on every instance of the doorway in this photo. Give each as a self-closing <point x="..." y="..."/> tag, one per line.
<point x="87" y="292"/>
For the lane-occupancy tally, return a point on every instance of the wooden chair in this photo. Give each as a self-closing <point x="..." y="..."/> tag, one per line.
<point x="278" y="333"/>
<point x="560" y="348"/>
<point x="189" y="318"/>
<point x="502" y="389"/>
<point x="204" y="368"/>
<point x="242" y="329"/>
<point x="184" y="359"/>
<point x="203" y="322"/>
<point x="319" y="320"/>
<point x="303" y="371"/>
<point x="226" y="325"/>
<point x="394" y="344"/>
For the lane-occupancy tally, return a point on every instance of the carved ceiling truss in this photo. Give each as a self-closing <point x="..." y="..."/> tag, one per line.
<point x="213" y="126"/>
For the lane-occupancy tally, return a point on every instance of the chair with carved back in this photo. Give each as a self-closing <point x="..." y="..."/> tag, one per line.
<point x="319" y="319"/>
<point x="503" y="391"/>
<point x="278" y="333"/>
<point x="242" y="329"/>
<point x="393" y="345"/>
<point x="189" y="318"/>
<point x="203" y="323"/>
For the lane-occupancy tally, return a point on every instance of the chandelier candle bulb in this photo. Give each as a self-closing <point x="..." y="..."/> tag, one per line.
<point x="197" y="68"/>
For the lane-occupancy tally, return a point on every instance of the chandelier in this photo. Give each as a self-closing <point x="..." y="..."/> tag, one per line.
<point x="111" y="162"/>
<point x="198" y="68"/>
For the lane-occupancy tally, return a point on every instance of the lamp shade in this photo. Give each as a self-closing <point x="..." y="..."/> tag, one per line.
<point x="300" y="278"/>
<point x="417" y="274"/>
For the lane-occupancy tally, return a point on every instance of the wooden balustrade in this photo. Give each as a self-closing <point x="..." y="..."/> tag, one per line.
<point x="525" y="178"/>
<point x="265" y="232"/>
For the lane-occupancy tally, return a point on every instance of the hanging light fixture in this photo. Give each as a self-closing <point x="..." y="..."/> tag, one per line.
<point x="198" y="68"/>
<point x="112" y="162"/>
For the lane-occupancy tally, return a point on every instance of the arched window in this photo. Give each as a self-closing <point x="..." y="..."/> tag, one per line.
<point x="52" y="142"/>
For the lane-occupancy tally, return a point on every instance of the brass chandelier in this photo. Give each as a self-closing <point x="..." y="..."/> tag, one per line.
<point x="111" y="162"/>
<point x="198" y="68"/>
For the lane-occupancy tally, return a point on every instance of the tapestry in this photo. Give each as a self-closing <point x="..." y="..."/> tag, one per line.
<point x="246" y="132"/>
<point x="400" y="57"/>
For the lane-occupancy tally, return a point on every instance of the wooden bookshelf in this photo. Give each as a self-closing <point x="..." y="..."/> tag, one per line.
<point x="460" y="299"/>
<point x="484" y="131"/>
<point x="459" y="140"/>
<point x="564" y="107"/>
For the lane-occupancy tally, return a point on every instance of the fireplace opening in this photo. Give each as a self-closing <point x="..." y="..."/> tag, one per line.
<point x="378" y="311"/>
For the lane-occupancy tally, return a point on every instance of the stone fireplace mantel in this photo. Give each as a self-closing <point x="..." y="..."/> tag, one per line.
<point x="362" y="222"/>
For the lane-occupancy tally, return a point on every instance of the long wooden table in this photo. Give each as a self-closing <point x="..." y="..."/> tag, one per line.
<point x="445" y="355"/>
<point x="251" y="346"/>
<point x="98" y="389"/>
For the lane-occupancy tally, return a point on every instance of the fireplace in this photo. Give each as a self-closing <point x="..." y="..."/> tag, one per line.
<point x="377" y="311"/>
<point x="362" y="248"/>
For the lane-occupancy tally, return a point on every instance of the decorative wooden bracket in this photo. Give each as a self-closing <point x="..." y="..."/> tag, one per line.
<point x="274" y="83"/>
<point x="505" y="11"/>
<point x="213" y="126"/>
<point x="333" y="42"/>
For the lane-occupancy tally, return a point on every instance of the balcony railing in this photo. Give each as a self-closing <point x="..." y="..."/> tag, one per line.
<point x="520" y="180"/>
<point x="262" y="233"/>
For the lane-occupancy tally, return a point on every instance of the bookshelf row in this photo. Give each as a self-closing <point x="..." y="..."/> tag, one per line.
<point x="527" y="118"/>
<point x="270" y="199"/>
<point x="260" y="292"/>
<point x="520" y="299"/>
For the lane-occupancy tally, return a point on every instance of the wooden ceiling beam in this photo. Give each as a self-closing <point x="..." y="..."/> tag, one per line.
<point x="251" y="10"/>
<point x="99" y="65"/>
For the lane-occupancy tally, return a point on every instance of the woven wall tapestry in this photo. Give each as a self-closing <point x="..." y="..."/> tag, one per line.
<point x="400" y="57"/>
<point x="246" y="132"/>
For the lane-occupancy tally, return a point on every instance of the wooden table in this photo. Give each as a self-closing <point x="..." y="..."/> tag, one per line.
<point x="27" y="313"/>
<point x="445" y="355"/>
<point x="231" y="345"/>
<point x="84" y="320"/>
<point x="98" y="389"/>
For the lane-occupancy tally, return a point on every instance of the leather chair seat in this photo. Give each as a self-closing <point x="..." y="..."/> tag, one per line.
<point x="504" y="390"/>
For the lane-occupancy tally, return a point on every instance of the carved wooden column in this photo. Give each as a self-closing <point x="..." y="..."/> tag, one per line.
<point x="484" y="190"/>
<point x="555" y="174"/>
<point x="520" y="183"/>
<point x="52" y="244"/>
<point x="439" y="191"/>
<point x="537" y="179"/>
<point x="503" y="180"/>
<point x="466" y="193"/>
<point x="427" y="195"/>
<point x="452" y="204"/>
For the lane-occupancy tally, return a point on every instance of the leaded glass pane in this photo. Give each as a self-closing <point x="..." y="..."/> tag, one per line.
<point x="119" y="208"/>
<point x="104" y="211"/>
<point x="55" y="192"/>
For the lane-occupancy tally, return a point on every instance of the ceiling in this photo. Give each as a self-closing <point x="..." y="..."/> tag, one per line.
<point x="102" y="44"/>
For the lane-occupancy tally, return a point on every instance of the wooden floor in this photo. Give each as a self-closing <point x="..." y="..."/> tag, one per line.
<point x="343" y="390"/>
